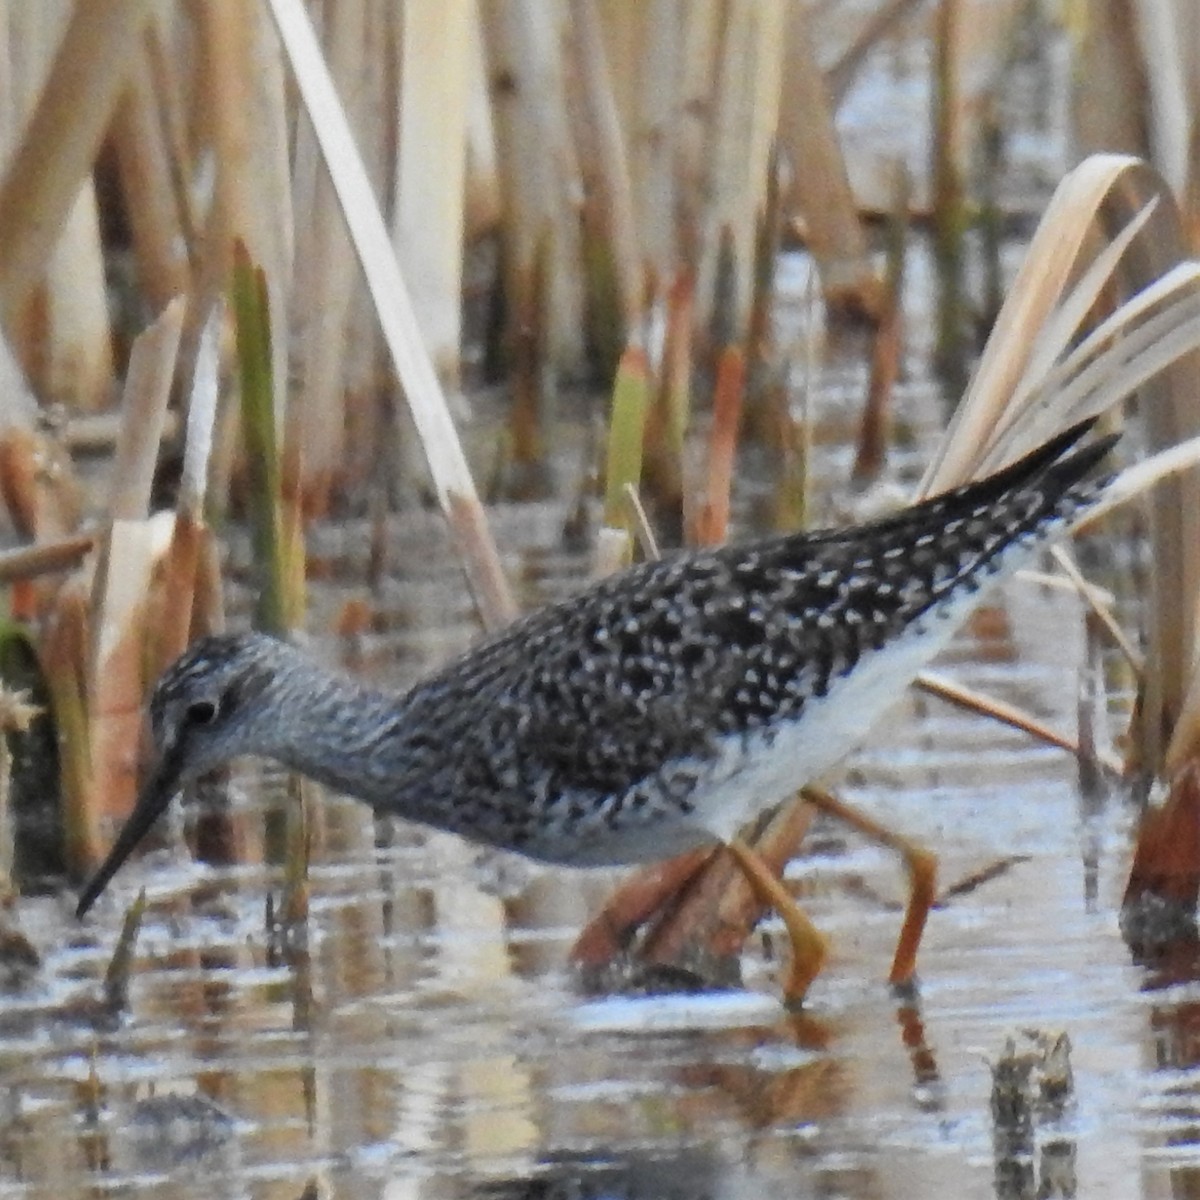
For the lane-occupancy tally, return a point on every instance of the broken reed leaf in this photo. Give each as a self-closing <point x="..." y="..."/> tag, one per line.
<point x="719" y="910"/>
<point x="252" y="315"/>
<point x="613" y="551"/>
<point x="626" y="429"/>
<point x="202" y="413"/>
<point x="144" y="399"/>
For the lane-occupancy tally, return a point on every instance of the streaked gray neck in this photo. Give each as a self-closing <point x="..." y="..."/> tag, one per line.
<point x="333" y="729"/>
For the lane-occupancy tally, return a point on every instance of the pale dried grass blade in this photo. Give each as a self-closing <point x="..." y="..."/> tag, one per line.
<point x="448" y="466"/>
<point x="1006" y="714"/>
<point x="1149" y="345"/>
<point x="1099" y="603"/>
<point x="1049" y="263"/>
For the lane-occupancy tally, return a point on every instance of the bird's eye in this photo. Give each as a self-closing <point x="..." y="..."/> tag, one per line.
<point x="201" y="712"/>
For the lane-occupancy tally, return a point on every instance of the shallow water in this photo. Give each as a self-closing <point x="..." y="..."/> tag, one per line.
<point x="428" y="1040"/>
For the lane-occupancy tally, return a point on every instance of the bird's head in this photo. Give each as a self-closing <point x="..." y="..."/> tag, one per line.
<point x="203" y="712"/>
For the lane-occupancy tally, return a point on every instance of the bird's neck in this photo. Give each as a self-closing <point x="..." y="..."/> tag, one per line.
<point x="338" y="731"/>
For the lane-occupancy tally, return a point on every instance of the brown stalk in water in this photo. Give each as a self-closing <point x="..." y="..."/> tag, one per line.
<point x="711" y="526"/>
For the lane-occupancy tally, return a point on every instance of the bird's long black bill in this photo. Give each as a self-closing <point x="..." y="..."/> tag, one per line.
<point x="151" y="804"/>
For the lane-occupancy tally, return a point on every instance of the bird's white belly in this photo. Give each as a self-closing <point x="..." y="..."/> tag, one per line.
<point x="754" y="773"/>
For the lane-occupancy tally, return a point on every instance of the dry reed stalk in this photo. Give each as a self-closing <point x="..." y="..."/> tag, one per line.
<point x="949" y="199"/>
<point x="529" y="411"/>
<point x="448" y="467"/>
<point x="482" y="206"/>
<point x="427" y="224"/>
<point x="676" y="393"/>
<point x="62" y="136"/>
<point x="610" y="196"/>
<point x="66" y="338"/>
<point x="746" y="101"/>
<point x="700" y="48"/>
<point x="1166" y="865"/>
<point x="639" y="897"/>
<point x="148" y="183"/>
<point x="1006" y="714"/>
<point x="762" y="398"/>
<point x="327" y="280"/>
<point x="880" y="22"/>
<point x="538" y="167"/>
<point x="712" y="521"/>
<point x="887" y="345"/>
<point x="1109" y="102"/>
<point x="819" y="183"/>
<point x="242" y="99"/>
<point x="654" y="134"/>
<point x="63" y="650"/>
<point x="177" y="622"/>
<point x="46" y="558"/>
<point x="38" y="485"/>
<point x="670" y="410"/>
<point x="122" y="583"/>
<point x="62" y="334"/>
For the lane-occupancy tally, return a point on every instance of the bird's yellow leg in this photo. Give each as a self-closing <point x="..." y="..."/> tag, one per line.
<point x="922" y="875"/>
<point x="808" y="945"/>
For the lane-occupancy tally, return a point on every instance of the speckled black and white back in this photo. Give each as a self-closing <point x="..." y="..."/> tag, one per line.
<point x="666" y="705"/>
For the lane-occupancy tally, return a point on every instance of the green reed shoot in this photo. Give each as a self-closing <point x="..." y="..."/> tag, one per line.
<point x="252" y="314"/>
<point x="626" y="433"/>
